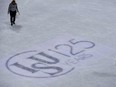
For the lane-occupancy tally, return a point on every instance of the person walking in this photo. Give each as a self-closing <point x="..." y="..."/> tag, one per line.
<point x="13" y="9"/>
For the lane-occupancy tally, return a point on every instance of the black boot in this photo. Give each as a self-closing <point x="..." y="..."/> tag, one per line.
<point x="11" y="24"/>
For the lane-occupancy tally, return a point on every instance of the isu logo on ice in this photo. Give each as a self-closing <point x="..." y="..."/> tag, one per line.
<point x="51" y="62"/>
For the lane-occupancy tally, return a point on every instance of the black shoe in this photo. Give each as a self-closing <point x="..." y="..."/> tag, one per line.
<point x="11" y="24"/>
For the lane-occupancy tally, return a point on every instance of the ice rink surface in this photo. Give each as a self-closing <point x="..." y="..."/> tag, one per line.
<point x="88" y="25"/>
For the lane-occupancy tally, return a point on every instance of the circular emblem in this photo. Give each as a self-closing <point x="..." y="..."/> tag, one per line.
<point x="36" y="64"/>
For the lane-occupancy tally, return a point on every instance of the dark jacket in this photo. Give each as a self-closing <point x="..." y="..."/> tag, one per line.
<point x="12" y="7"/>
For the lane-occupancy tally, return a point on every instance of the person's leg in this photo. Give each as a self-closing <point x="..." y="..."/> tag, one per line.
<point x="11" y="18"/>
<point x="14" y="17"/>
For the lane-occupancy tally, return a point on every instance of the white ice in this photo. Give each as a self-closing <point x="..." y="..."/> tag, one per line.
<point x="42" y="20"/>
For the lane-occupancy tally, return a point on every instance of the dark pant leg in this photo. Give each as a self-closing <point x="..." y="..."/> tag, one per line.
<point x="12" y="16"/>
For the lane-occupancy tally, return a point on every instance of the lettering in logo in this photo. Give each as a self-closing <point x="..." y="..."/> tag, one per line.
<point x="59" y="60"/>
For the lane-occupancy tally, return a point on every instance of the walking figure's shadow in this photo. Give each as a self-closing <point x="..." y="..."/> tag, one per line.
<point x="16" y="28"/>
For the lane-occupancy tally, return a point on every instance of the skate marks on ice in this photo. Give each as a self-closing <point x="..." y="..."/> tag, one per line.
<point x="103" y="74"/>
